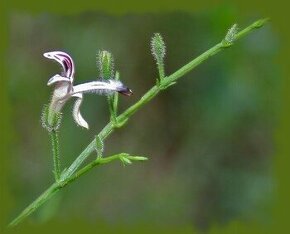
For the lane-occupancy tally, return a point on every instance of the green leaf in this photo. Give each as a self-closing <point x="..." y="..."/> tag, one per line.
<point x="137" y="158"/>
<point x="125" y="160"/>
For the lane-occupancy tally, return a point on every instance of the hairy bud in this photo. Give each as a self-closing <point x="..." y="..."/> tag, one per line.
<point x="231" y="34"/>
<point x="105" y="63"/>
<point x="158" y="48"/>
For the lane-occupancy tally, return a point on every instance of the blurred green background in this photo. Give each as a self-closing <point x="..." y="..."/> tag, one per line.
<point x="209" y="138"/>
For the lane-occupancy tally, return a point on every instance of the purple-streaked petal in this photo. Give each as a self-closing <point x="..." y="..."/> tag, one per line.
<point x="65" y="61"/>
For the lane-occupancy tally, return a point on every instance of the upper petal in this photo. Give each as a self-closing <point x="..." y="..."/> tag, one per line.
<point x="65" y="61"/>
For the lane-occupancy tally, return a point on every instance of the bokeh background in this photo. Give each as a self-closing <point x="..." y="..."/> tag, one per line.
<point x="209" y="138"/>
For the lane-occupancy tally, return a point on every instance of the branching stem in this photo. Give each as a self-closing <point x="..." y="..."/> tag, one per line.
<point x="71" y="174"/>
<point x="56" y="186"/>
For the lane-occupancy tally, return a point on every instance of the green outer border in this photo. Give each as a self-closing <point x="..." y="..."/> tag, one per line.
<point x="276" y="11"/>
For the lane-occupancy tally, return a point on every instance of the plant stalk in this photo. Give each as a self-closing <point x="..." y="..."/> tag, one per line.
<point x="46" y="195"/>
<point x="71" y="174"/>
<point x="55" y="151"/>
<point x="56" y="186"/>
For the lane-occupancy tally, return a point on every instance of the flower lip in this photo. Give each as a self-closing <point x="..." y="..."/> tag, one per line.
<point x="57" y="78"/>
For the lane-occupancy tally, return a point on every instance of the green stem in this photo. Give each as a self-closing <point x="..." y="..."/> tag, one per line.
<point x="35" y="204"/>
<point x="101" y="161"/>
<point x="109" y="128"/>
<point x="256" y="25"/>
<point x="79" y="160"/>
<point x="57" y="186"/>
<point x="55" y="151"/>
<point x="71" y="175"/>
<point x="161" y="70"/>
<point x="112" y="110"/>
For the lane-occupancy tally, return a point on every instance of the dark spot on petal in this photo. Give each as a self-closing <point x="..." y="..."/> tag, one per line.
<point x="126" y="91"/>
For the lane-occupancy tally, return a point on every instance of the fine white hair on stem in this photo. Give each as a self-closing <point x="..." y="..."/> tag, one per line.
<point x="100" y="87"/>
<point x="76" y="112"/>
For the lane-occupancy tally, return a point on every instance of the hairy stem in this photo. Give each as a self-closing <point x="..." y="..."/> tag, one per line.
<point x="71" y="174"/>
<point x="161" y="70"/>
<point x="112" y="110"/>
<point x="55" y="151"/>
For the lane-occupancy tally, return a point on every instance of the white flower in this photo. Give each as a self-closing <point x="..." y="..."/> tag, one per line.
<point x="64" y="89"/>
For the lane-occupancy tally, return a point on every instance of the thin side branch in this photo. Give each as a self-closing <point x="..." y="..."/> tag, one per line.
<point x="54" y="188"/>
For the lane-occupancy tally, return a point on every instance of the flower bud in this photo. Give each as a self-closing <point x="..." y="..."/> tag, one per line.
<point x="50" y="120"/>
<point x="231" y="34"/>
<point x="158" y="48"/>
<point x="105" y="63"/>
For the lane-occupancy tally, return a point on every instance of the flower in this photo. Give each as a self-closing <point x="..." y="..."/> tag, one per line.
<point x="64" y="88"/>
